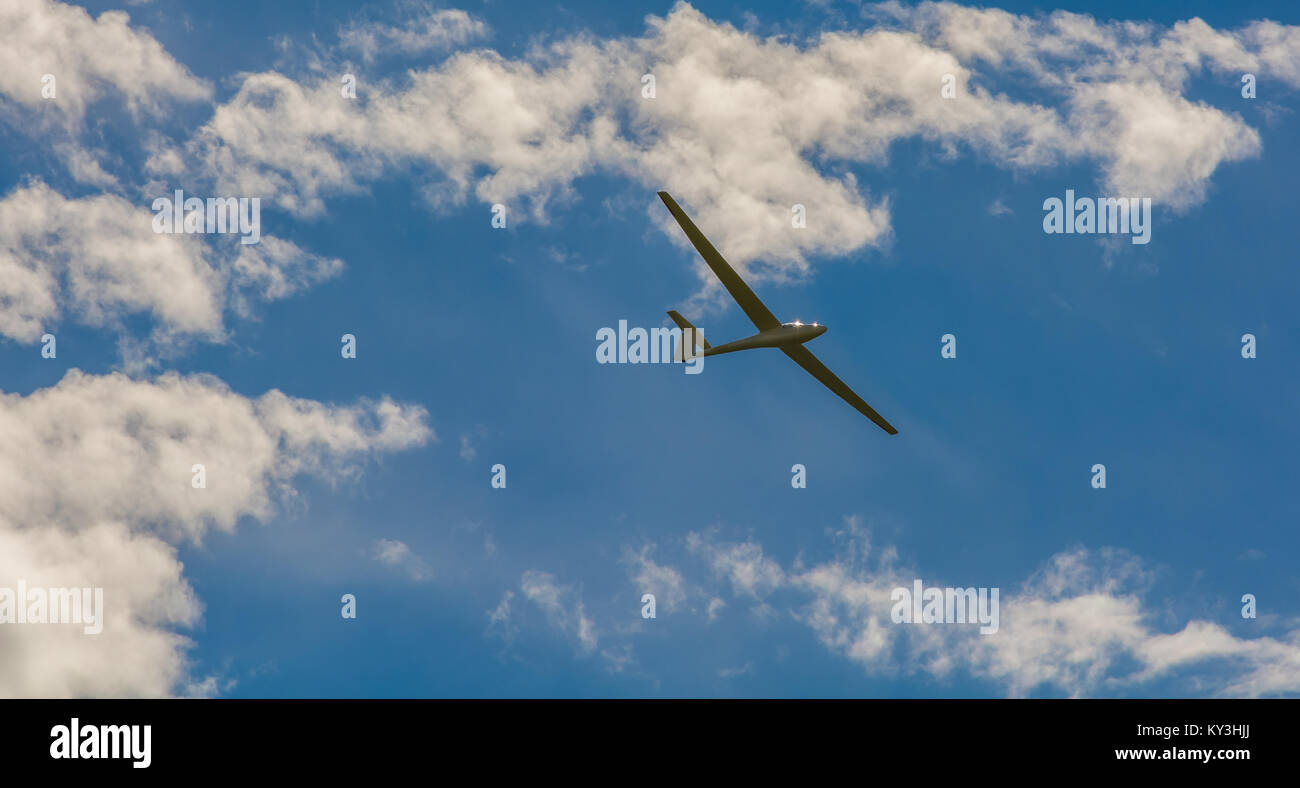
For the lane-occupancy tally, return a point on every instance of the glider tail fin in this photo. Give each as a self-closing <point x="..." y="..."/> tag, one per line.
<point x="684" y="324"/>
<point x="688" y="330"/>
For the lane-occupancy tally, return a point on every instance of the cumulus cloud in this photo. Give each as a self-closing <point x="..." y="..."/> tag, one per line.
<point x="107" y="60"/>
<point x="97" y="260"/>
<point x="101" y="259"/>
<point x="1121" y="84"/>
<point x="90" y="58"/>
<point x="97" y="490"/>
<point x="742" y="127"/>
<point x="57" y="61"/>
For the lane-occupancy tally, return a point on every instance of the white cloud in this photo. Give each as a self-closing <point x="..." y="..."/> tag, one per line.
<point x="1084" y="624"/>
<point x="84" y="166"/>
<point x="1121" y="84"/>
<point x="96" y="490"/>
<point x="398" y="555"/>
<point x="425" y="30"/>
<point x="648" y="577"/>
<point x="1081" y="625"/>
<point x="90" y="58"/>
<point x="98" y="260"/>
<point x="741" y="127"/>
<point x="499" y="617"/>
<point x="1276" y="46"/>
<point x="731" y="673"/>
<point x="467" y="450"/>
<point x="98" y="256"/>
<point x="743" y="565"/>
<point x="715" y="607"/>
<point x="562" y="608"/>
<point x="274" y="268"/>
<point x="86" y="62"/>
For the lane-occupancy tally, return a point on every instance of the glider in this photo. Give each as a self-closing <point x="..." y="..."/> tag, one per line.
<point x="788" y="337"/>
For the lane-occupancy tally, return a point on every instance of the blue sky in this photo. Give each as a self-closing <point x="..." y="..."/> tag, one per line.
<point x="623" y="480"/>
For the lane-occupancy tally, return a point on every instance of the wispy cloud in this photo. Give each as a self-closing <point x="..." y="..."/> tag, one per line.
<point x="423" y="30"/>
<point x="397" y="555"/>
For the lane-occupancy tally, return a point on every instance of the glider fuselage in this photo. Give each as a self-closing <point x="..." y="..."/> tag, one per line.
<point x="785" y="334"/>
